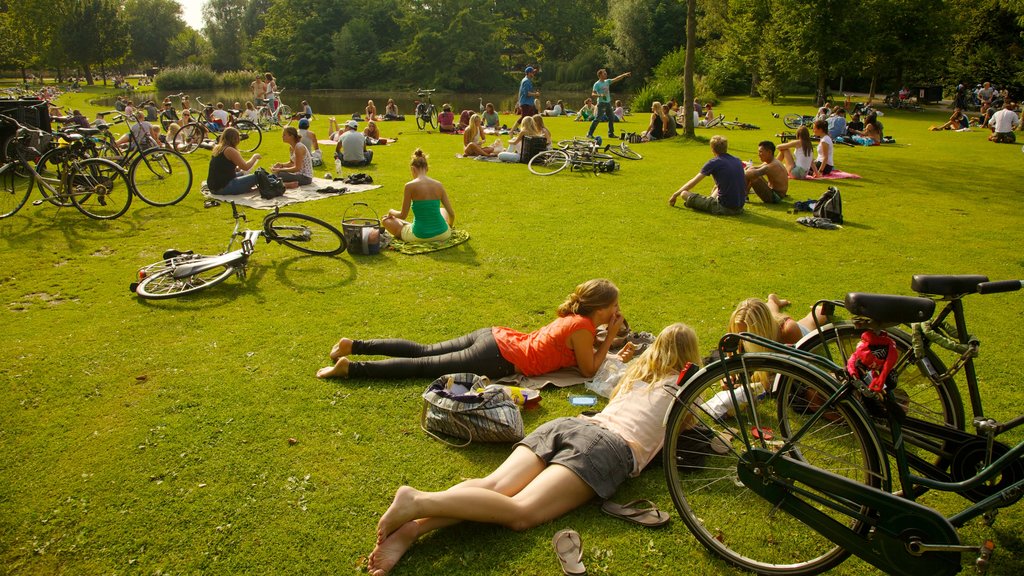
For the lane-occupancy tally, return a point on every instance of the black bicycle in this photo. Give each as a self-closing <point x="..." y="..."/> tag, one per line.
<point x="426" y="113"/>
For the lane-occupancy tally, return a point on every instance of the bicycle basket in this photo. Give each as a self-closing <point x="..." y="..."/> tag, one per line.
<point x="362" y="234"/>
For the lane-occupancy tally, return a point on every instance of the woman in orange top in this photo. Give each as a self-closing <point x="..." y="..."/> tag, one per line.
<point x="496" y="352"/>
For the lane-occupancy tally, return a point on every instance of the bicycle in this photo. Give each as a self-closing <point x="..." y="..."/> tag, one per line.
<point x="734" y="124"/>
<point x="181" y="273"/>
<point x="575" y="154"/>
<point x="805" y="443"/>
<point x="426" y="113"/>
<point x="795" y="120"/>
<point x="267" y="117"/>
<point x="95" y="186"/>
<point x="622" y="150"/>
<point x="158" y="176"/>
<point x="194" y="135"/>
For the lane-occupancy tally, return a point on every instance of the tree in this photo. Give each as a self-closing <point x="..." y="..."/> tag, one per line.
<point x="643" y="32"/>
<point x="84" y="41"/>
<point x="691" y="49"/>
<point x="293" y="42"/>
<point x="152" y="25"/>
<point x="222" y="26"/>
<point x="189" y="47"/>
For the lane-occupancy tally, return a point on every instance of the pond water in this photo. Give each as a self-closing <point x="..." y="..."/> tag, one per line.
<point x="346" y="102"/>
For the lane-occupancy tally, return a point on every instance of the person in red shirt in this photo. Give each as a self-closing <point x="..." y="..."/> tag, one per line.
<point x="495" y="352"/>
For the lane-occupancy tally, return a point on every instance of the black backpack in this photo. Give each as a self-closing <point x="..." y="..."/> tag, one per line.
<point x="830" y="206"/>
<point x="530" y="147"/>
<point x="269" y="185"/>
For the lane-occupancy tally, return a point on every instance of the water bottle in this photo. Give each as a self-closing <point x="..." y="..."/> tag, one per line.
<point x="337" y="167"/>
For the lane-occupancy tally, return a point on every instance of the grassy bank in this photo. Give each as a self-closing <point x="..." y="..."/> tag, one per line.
<point x="143" y="437"/>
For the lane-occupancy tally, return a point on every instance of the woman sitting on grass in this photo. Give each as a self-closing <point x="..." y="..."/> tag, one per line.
<point x="446" y="119"/>
<point x="656" y="129"/>
<point x="515" y="143"/>
<point x="797" y="154"/>
<point x="559" y="467"/>
<point x="429" y="203"/>
<point x="473" y="139"/>
<point x="957" y="121"/>
<point x="298" y="170"/>
<point x="227" y="175"/>
<point x="767" y="320"/>
<point x="496" y="352"/>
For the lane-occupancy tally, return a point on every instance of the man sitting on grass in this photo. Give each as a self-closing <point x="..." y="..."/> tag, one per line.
<point x="769" y="180"/>
<point x="351" y="148"/>
<point x="1003" y="123"/>
<point x="730" y="191"/>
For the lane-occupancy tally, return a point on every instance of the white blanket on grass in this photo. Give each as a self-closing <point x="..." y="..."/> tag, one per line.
<point x="293" y="195"/>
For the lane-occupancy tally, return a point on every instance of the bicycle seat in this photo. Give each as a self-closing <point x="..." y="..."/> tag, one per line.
<point x="940" y="285"/>
<point x="886" y="309"/>
<point x="72" y="136"/>
<point x="234" y="112"/>
<point x="88" y="131"/>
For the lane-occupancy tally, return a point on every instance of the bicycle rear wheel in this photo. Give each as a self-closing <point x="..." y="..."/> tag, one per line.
<point x="793" y="121"/>
<point x="14" y="189"/>
<point x="188" y="138"/>
<point x="709" y="442"/>
<point x="160" y="283"/>
<point x="99" y="189"/>
<point x="549" y="162"/>
<point x="251" y="134"/>
<point x="624" y="151"/>
<point x="284" y="115"/>
<point x="161" y="177"/>
<point x="51" y="167"/>
<point x="304" y="233"/>
<point x="422" y="117"/>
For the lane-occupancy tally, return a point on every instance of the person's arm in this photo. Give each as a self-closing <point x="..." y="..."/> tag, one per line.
<point x="236" y="158"/>
<point x="589" y="360"/>
<point x="620" y="77"/>
<point x="406" y="205"/>
<point x="466" y="139"/>
<point x="448" y="207"/>
<point x="686" y="188"/>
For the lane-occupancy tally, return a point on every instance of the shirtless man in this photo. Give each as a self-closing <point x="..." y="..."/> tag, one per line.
<point x="259" y="90"/>
<point x="769" y="180"/>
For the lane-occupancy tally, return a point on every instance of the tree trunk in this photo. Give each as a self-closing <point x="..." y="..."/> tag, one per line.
<point x="88" y="74"/>
<point x="103" y="74"/>
<point x="822" y="82"/>
<point x="874" y="85"/>
<point x="24" y="76"/>
<point x="691" y="48"/>
<point x="755" y="79"/>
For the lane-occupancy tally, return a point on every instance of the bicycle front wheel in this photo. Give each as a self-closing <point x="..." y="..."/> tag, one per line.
<point x="251" y="134"/>
<point x="14" y="189"/>
<point x="624" y="151"/>
<point x="304" y="233"/>
<point x="161" y="283"/>
<point x="161" y="177"/>
<point x="421" y="120"/>
<point x="549" y="162"/>
<point x="99" y="189"/>
<point x="284" y="115"/>
<point x="188" y="138"/>
<point x="51" y="167"/>
<point x="793" y="121"/>
<point x="710" y="437"/>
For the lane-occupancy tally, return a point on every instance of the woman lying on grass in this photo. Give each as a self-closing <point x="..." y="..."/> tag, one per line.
<point x="496" y="352"/>
<point x="559" y="467"/>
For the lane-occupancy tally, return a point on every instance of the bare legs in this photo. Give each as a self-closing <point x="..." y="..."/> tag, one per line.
<point x="521" y="493"/>
<point x="395" y="225"/>
<point x="474" y="149"/>
<point x="776" y="304"/>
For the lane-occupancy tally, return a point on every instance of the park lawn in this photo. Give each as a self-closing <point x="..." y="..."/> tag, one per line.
<point x="153" y="437"/>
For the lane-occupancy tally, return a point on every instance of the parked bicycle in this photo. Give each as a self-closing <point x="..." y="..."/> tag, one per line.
<point x="426" y="113"/>
<point x="97" y="187"/>
<point x="792" y="470"/>
<point x="181" y="273"/>
<point x="268" y="117"/>
<point x="196" y="134"/>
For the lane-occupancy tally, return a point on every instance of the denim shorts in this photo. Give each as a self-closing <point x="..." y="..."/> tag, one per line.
<point x="600" y="457"/>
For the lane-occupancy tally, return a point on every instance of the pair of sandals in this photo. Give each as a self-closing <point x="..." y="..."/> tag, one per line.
<point x="569" y="547"/>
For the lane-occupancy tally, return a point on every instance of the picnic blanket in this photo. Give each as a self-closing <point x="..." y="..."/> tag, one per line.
<point x="559" y="378"/>
<point x="293" y="195"/>
<point x="833" y="175"/>
<point x="483" y="158"/>
<point x="458" y="237"/>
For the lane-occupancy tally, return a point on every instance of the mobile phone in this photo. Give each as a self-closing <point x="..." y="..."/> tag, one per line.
<point x="583" y="400"/>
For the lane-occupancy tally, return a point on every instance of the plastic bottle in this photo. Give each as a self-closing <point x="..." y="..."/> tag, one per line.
<point x="721" y="404"/>
<point x="337" y="167"/>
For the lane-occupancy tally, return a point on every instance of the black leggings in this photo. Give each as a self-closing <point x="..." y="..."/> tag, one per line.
<point x="476" y="352"/>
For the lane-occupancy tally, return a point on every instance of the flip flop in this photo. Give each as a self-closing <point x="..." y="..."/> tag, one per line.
<point x="569" y="550"/>
<point x="648" y="516"/>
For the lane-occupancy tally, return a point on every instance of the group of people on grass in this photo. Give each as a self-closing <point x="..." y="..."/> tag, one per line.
<point x="565" y="462"/>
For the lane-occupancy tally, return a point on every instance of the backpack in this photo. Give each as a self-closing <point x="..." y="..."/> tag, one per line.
<point x="269" y="185"/>
<point x="530" y="147"/>
<point x="830" y="206"/>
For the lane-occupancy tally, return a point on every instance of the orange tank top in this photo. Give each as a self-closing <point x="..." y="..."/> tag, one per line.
<point x="544" y="350"/>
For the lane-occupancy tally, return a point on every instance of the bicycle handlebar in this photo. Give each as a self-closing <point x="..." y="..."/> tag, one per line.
<point x="1000" y="286"/>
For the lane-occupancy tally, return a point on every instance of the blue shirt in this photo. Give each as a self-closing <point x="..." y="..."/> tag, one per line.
<point x="836" y="127"/>
<point x="727" y="170"/>
<point x="603" y="89"/>
<point x="525" y="87"/>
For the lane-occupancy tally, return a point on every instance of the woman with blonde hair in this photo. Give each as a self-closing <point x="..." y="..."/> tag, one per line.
<point x="538" y="120"/>
<point x="496" y="352"/>
<point x="429" y="203"/>
<point x="515" y="143"/>
<point x="227" y="173"/>
<point x="560" y="466"/>
<point x="767" y="320"/>
<point x="371" y="110"/>
<point x="797" y="154"/>
<point x="656" y="129"/>
<point x="473" y="139"/>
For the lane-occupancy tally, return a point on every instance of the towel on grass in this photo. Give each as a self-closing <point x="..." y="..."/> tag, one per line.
<point x="558" y="378"/>
<point x="292" y="195"/>
<point x="483" y="158"/>
<point x="833" y="175"/>
<point x="458" y="237"/>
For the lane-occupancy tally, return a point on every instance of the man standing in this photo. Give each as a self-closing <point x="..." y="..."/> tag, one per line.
<point x="770" y="180"/>
<point x="527" y="94"/>
<point x="351" y="148"/>
<point x="259" y="90"/>
<point x="602" y="93"/>
<point x="1003" y="123"/>
<point x="730" y="190"/>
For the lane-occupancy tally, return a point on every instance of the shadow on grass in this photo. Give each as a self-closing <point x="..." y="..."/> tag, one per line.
<point x="25" y="229"/>
<point x="328" y="273"/>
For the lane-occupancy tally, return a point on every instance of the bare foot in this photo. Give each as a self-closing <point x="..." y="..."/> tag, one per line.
<point x="387" y="553"/>
<point x="343" y="347"/>
<point x="339" y="370"/>
<point x="402" y="510"/>
<point x="774" y="298"/>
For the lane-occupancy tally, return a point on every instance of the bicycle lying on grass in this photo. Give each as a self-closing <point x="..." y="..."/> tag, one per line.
<point x="181" y="273"/>
<point x="580" y="153"/>
<point x="97" y="187"/>
<point x="792" y="470"/>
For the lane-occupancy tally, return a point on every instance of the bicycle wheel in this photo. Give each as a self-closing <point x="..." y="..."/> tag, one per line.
<point x="624" y="151"/>
<point x="189" y="137"/>
<point x="928" y="400"/>
<point x="549" y="162"/>
<point x="51" y="167"/>
<point x="711" y="484"/>
<point x="284" y="115"/>
<point x="160" y="177"/>
<point x="99" y="188"/>
<point x="251" y="134"/>
<point x="432" y="117"/>
<point x="793" y="121"/>
<point x="304" y="233"/>
<point x="14" y="189"/>
<point x="264" y="118"/>
<point x="421" y="117"/>
<point x="161" y="283"/>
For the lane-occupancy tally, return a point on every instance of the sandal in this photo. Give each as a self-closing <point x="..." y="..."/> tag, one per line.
<point x="648" y="516"/>
<point x="569" y="550"/>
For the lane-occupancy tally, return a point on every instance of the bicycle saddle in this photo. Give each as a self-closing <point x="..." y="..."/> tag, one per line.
<point x="886" y="309"/>
<point x="88" y="131"/>
<point x="234" y="112"/>
<point x="946" y="285"/>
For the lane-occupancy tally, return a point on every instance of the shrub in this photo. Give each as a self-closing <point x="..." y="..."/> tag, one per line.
<point x="184" y="78"/>
<point x="237" y="78"/>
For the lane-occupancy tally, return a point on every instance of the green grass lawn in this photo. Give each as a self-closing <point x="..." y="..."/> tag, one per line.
<point x="153" y="437"/>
